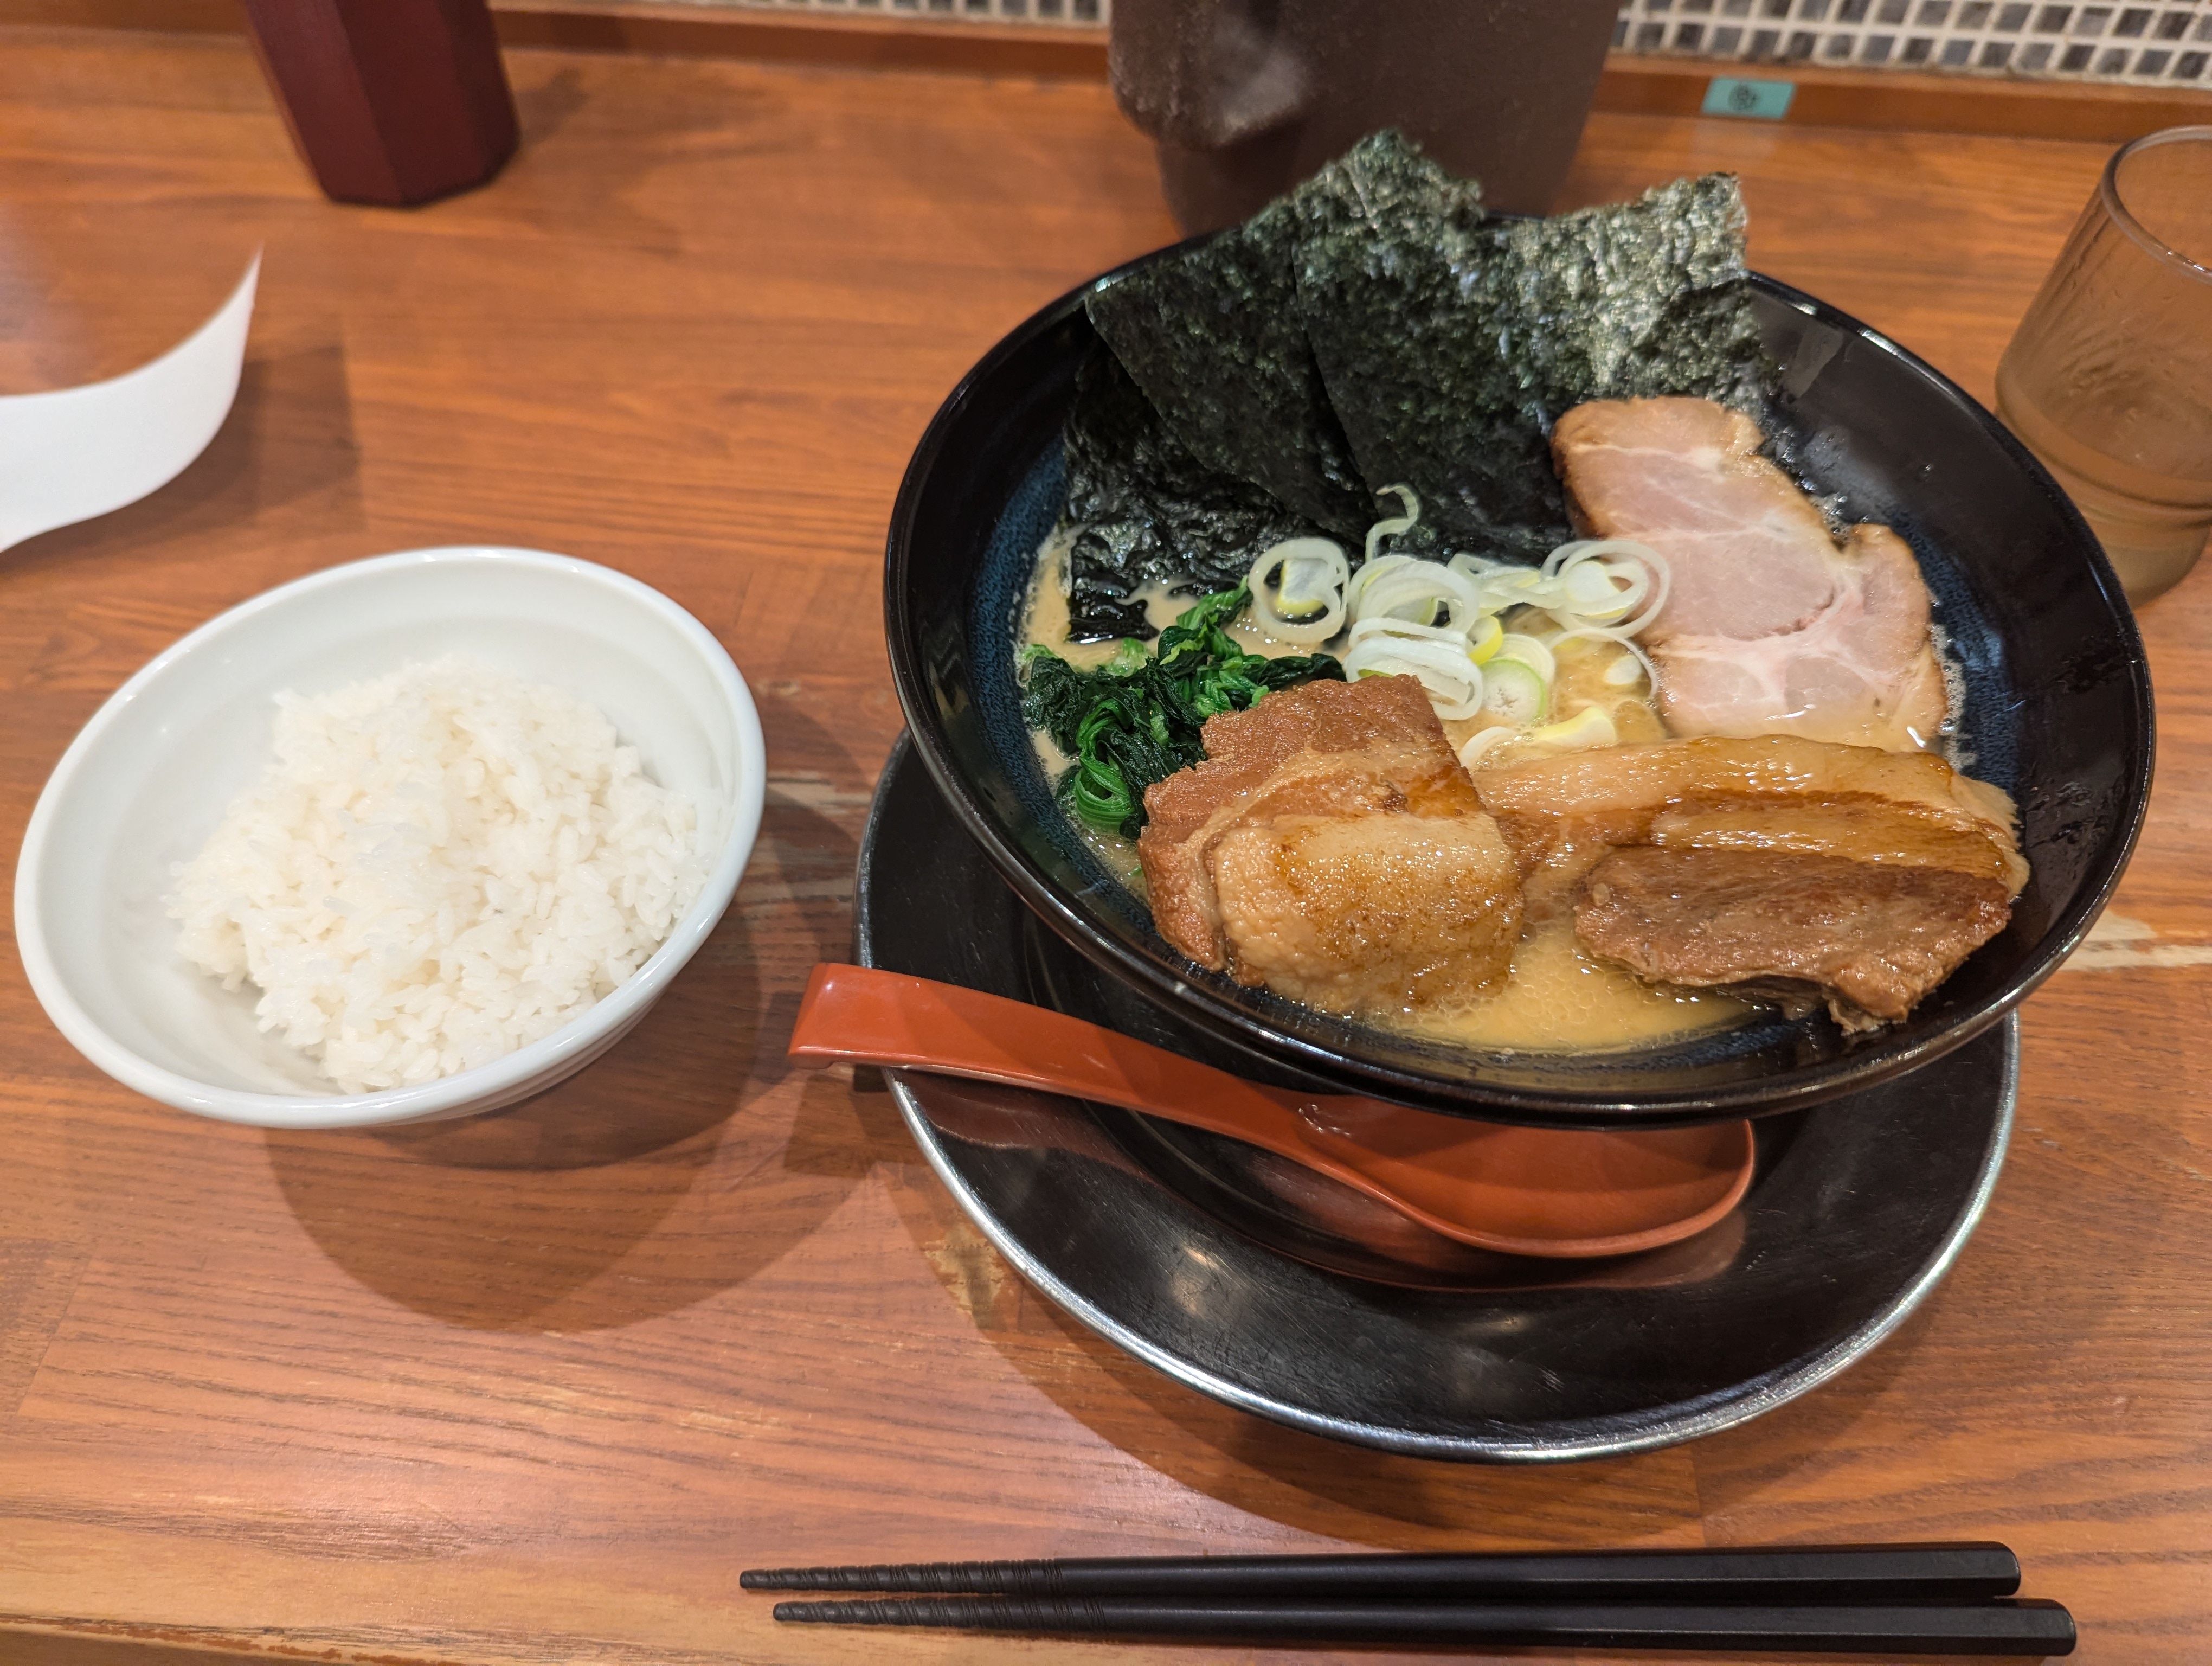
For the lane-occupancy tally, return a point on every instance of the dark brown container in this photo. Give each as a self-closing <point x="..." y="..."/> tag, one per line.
<point x="391" y="101"/>
<point x="1245" y="98"/>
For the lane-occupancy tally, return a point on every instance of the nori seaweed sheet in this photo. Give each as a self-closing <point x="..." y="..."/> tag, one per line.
<point x="1446" y="343"/>
<point x="1214" y="338"/>
<point x="1449" y="347"/>
<point x="1145" y="508"/>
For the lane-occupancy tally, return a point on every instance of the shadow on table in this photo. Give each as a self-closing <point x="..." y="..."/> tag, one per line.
<point x="678" y="1165"/>
<point x="693" y="126"/>
<point x="490" y="1221"/>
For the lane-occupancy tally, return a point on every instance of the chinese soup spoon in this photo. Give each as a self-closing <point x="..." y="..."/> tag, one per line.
<point x="1522" y="1191"/>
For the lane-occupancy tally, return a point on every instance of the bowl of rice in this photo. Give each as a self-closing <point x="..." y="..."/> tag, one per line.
<point x="411" y="838"/>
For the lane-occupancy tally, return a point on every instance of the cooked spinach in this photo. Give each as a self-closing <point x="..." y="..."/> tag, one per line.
<point x="1137" y="719"/>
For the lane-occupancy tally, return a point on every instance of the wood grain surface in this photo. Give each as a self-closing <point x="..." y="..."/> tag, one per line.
<point x="534" y="1388"/>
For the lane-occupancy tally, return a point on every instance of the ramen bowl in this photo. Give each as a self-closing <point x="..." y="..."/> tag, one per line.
<point x="2058" y="712"/>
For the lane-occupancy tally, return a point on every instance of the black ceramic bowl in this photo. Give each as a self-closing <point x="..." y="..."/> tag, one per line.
<point x="2058" y="714"/>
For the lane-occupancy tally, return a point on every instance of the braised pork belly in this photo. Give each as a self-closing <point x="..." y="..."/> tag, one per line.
<point x="1331" y="848"/>
<point x="1369" y="914"/>
<point x="1777" y="867"/>
<point x="1870" y="941"/>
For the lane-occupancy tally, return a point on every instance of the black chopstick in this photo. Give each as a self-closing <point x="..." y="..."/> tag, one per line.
<point x="1993" y="1627"/>
<point x="1812" y="1573"/>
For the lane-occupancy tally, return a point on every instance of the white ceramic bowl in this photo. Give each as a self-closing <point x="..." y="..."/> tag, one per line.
<point x="145" y="784"/>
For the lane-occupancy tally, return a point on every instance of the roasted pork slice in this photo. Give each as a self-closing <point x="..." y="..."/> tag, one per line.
<point x="1562" y="815"/>
<point x="1371" y="913"/>
<point x="1869" y="830"/>
<point x="1869" y="938"/>
<point x="1372" y="746"/>
<point x="1775" y="865"/>
<point x="1768" y="628"/>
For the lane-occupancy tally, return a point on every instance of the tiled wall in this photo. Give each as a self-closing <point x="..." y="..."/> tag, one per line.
<point x="1082" y="14"/>
<point x="2159" y="43"/>
<point x="2162" y="44"/>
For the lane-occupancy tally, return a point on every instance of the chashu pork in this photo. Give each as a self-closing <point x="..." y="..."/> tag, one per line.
<point x="1775" y="865"/>
<point x="1330" y="847"/>
<point x="1563" y="815"/>
<point x="1871" y="940"/>
<point x="1369" y="914"/>
<point x="1769" y="626"/>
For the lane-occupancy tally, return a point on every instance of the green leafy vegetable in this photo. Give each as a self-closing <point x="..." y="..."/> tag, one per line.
<point x="1136" y="719"/>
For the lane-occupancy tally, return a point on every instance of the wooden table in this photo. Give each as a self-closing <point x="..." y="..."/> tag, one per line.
<point x="534" y="1388"/>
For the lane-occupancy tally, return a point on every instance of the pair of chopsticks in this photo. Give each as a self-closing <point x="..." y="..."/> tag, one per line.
<point x="1912" y="1598"/>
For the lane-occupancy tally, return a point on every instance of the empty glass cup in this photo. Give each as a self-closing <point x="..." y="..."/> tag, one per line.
<point x="2109" y="378"/>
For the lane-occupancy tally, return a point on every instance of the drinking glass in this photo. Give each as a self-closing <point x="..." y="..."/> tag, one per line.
<point x="2109" y="378"/>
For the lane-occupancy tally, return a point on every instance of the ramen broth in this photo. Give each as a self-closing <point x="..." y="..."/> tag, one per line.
<point x="1557" y="997"/>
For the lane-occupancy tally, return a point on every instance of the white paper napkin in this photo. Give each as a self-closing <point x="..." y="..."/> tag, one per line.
<point x="80" y="452"/>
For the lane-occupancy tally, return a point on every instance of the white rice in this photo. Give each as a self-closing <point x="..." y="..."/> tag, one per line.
<point x="441" y="866"/>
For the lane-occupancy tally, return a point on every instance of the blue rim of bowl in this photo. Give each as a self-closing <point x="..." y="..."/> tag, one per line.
<point x="486" y="1087"/>
<point x="1864" y="1067"/>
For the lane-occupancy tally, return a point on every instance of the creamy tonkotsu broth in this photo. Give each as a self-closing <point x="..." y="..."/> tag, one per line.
<point x="1557" y="997"/>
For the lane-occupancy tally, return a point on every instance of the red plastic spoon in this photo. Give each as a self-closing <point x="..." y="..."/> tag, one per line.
<point x="1523" y="1191"/>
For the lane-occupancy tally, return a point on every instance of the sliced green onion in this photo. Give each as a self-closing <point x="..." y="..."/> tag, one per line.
<point x="1481" y="743"/>
<point x="1406" y="587"/>
<point x="1635" y="576"/>
<point x="1589" y="590"/>
<point x="1396" y="523"/>
<point x="1405" y="630"/>
<point x="1499" y="585"/>
<point x="1512" y="690"/>
<point x="1586" y="731"/>
<point x="1306" y="603"/>
<point x="1454" y="681"/>
<point x="1485" y="638"/>
<point x="1614" y="634"/>
<point x="1588" y="581"/>
<point x="1530" y="653"/>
